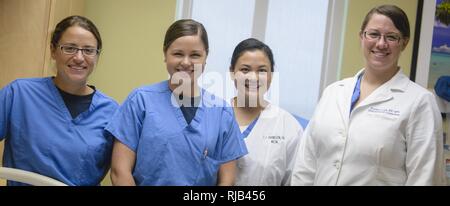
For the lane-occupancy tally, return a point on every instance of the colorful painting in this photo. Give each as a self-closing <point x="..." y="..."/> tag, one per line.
<point x="440" y="53"/>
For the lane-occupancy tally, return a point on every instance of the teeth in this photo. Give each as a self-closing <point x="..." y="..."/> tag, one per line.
<point x="188" y="71"/>
<point x="380" y="54"/>
<point x="77" y="67"/>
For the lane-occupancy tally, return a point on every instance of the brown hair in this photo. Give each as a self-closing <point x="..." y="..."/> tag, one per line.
<point x="80" y="21"/>
<point x="185" y="27"/>
<point x="397" y="16"/>
<point x="251" y="44"/>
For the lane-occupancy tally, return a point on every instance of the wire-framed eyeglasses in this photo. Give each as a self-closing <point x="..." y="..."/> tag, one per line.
<point x="71" y="50"/>
<point x="372" y="35"/>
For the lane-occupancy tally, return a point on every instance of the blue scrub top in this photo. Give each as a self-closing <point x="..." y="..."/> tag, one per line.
<point x="356" y="93"/>
<point x="302" y="121"/>
<point x="42" y="137"/>
<point x="168" y="150"/>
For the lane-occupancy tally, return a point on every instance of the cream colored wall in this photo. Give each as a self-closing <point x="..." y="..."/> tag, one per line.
<point x="133" y="33"/>
<point x="23" y="27"/>
<point x="352" y="58"/>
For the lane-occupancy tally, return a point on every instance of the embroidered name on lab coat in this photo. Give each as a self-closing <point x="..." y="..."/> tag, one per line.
<point x="389" y="112"/>
<point x="274" y="139"/>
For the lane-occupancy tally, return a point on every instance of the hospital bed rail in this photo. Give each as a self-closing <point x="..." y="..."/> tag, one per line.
<point x="27" y="177"/>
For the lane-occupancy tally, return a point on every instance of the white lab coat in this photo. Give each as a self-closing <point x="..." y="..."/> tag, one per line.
<point x="272" y="145"/>
<point x="393" y="137"/>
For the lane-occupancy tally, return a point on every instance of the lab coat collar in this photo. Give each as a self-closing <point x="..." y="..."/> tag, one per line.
<point x="344" y="98"/>
<point x="398" y="83"/>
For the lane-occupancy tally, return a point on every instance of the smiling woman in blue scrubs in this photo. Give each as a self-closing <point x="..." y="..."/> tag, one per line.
<point x="174" y="132"/>
<point x="54" y="126"/>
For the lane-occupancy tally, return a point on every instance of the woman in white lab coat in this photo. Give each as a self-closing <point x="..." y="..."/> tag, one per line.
<point x="377" y="128"/>
<point x="271" y="134"/>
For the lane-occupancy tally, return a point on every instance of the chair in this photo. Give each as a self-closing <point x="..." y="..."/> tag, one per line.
<point x="27" y="177"/>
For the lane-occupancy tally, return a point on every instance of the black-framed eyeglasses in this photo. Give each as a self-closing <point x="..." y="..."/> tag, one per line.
<point x="71" y="50"/>
<point x="389" y="37"/>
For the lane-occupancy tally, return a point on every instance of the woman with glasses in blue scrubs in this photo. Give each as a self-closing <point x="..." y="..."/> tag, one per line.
<point x="54" y="126"/>
<point x="174" y="132"/>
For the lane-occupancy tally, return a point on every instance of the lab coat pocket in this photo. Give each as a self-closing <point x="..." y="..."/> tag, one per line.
<point x="390" y="176"/>
<point x="387" y="175"/>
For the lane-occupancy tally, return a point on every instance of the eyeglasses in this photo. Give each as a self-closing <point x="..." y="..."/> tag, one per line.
<point x="71" y="50"/>
<point x="392" y="38"/>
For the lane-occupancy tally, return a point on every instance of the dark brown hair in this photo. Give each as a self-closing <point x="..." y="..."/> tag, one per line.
<point x="397" y="16"/>
<point x="251" y="44"/>
<point x="185" y="27"/>
<point x="80" y="21"/>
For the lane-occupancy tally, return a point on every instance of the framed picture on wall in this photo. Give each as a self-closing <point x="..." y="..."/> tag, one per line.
<point x="440" y="65"/>
<point x="432" y="57"/>
<point x="440" y="48"/>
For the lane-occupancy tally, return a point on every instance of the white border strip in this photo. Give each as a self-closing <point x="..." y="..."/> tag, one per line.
<point x="334" y="41"/>
<point x="260" y="19"/>
<point x="426" y="40"/>
<point x="183" y="9"/>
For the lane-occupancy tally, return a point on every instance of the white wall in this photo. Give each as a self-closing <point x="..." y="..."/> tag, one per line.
<point x="296" y="33"/>
<point x="426" y="38"/>
<point x="294" y="29"/>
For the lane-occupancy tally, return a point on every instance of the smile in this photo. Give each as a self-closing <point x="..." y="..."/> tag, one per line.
<point x="187" y="71"/>
<point x="78" y="68"/>
<point x="380" y="54"/>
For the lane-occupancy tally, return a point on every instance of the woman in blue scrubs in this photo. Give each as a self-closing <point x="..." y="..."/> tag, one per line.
<point x="54" y="126"/>
<point x="174" y="132"/>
